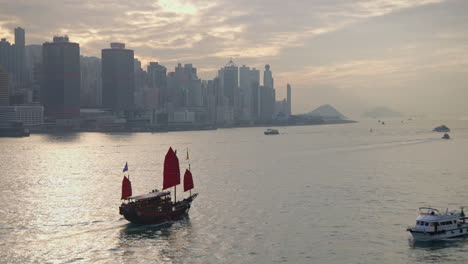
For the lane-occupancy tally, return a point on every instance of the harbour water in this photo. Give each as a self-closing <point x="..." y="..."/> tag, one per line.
<point x="312" y="194"/>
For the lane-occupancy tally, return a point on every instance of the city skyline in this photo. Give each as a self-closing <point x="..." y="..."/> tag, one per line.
<point x="60" y="82"/>
<point x="352" y="55"/>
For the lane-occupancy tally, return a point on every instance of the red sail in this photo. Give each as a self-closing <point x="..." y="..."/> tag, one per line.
<point x="126" y="188"/>
<point x="188" y="181"/>
<point x="171" y="170"/>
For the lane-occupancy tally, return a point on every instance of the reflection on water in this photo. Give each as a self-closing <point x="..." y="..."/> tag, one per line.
<point x="168" y="242"/>
<point x="120" y="135"/>
<point x="62" y="137"/>
<point x="133" y="231"/>
<point x="439" y="244"/>
<point x="318" y="194"/>
<point x="439" y="251"/>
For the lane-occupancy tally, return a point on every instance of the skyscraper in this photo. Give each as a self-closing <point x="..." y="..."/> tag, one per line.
<point x="91" y="83"/>
<point x="118" y="78"/>
<point x="230" y="82"/>
<point x="184" y="87"/>
<point x="20" y="39"/>
<point x="267" y="96"/>
<point x="211" y="98"/>
<point x="248" y="81"/>
<point x="268" y="77"/>
<point x="244" y="78"/>
<point x="157" y="80"/>
<point x="255" y="76"/>
<point x="6" y="56"/>
<point x="288" y="99"/>
<point x="4" y="87"/>
<point x="267" y="103"/>
<point x="60" y="93"/>
<point x="12" y="58"/>
<point x="245" y="91"/>
<point x="33" y="57"/>
<point x="20" y="69"/>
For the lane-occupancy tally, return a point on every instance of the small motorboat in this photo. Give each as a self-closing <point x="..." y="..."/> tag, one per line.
<point x="442" y="128"/>
<point x="434" y="225"/>
<point x="270" y="131"/>
<point x="446" y="136"/>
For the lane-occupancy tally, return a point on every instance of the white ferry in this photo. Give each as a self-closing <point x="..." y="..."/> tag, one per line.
<point x="271" y="131"/>
<point x="433" y="225"/>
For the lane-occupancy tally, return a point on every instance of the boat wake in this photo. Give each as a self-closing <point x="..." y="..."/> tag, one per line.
<point x="383" y="145"/>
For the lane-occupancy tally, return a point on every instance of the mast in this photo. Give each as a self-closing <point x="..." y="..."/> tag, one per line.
<point x="190" y="189"/>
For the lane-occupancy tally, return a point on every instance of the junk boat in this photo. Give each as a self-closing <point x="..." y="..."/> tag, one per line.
<point x="433" y="225"/>
<point x="271" y="132"/>
<point x="157" y="207"/>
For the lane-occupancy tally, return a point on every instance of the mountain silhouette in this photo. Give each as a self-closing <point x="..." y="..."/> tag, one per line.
<point x="327" y="112"/>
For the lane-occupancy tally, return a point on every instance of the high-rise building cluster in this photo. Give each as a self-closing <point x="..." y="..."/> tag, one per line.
<point x="66" y="87"/>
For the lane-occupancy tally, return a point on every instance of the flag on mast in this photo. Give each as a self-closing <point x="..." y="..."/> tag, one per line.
<point x="125" y="168"/>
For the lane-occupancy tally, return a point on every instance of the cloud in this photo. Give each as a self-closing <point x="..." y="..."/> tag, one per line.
<point x="242" y="28"/>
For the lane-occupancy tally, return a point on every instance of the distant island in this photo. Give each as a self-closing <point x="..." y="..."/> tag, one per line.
<point x="381" y="112"/>
<point x="328" y="113"/>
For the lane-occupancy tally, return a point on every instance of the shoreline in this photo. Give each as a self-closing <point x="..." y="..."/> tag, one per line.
<point x="179" y="128"/>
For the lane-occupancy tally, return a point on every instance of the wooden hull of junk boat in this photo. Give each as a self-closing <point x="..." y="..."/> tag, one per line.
<point x="148" y="216"/>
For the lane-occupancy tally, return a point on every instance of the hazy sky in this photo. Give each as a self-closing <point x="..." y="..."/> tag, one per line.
<point x="409" y="55"/>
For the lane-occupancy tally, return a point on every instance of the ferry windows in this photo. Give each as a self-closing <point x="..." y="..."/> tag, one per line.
<point x="447" y="223"/>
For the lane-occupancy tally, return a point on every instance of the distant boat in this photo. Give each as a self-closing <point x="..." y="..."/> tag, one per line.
<point x="442" y="128"/>
<point x="433" y="225"/>
<point x="270" y="131"/>
<point x="446" y="136"/>
<point x="157" y="206"/>
<point x="13" y="129"/>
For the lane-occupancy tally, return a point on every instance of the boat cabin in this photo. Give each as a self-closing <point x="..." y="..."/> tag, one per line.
<point x="271" y="131"/>
<point x="431" y="220"/>
<point x="154" y="198"/>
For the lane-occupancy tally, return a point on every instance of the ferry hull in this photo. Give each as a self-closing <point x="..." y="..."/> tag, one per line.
<point x="431" y="236"/>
